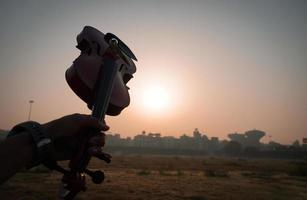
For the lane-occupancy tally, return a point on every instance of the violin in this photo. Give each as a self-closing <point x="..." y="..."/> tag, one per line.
<point x="99" y="76"/>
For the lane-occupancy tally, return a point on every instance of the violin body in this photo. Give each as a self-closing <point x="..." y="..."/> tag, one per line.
<point x="82" y="76"/>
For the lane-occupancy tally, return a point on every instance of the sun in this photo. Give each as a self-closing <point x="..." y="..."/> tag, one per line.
<point x="156" y="98"/>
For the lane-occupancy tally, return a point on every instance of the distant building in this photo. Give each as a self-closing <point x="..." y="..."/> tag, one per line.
<point x="169" y="142"/>
<point x="155" y="140"/>
<point x="248" y="139"/>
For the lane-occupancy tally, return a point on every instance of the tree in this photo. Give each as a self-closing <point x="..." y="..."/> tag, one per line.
<point x="296" y="143"/>
<point x="232" y="148"/>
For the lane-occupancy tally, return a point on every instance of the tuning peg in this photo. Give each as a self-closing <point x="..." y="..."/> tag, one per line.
<point x="106" y="157"/>
<point x="97" y="176"/>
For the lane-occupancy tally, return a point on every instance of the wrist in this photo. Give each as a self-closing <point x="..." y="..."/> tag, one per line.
<point x="38" y="138"/>
<point x="49" y="130"/>
<point x="27" y="143"/>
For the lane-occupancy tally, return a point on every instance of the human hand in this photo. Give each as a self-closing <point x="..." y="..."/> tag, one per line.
<point x="66" y="134"/>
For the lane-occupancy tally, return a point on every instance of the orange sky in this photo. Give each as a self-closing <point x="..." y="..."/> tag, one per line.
<point x="226" y="66"/>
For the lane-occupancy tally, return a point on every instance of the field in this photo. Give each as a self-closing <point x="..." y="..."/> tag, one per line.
<point x="173" y="177"/>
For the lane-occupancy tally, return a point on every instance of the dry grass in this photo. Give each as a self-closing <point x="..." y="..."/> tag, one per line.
<point x="186" y="178"/>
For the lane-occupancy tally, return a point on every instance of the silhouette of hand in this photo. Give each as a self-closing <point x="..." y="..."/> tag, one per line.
<point x="67" y="133"/>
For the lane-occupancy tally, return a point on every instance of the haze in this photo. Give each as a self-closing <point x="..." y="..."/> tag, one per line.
<point x="227" y="65"/>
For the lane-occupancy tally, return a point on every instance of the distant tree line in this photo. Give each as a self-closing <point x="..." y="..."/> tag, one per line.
<point x="246" y="145"/>
<point x="240" y="144"/>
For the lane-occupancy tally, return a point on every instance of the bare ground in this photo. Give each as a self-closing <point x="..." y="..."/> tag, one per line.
<point x="173" y="177"/>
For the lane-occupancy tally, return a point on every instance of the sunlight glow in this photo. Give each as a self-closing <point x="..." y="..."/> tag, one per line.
<point x="156" y="99"/>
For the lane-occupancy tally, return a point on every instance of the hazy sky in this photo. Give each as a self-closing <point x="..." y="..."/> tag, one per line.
<point x="226" y="65"/>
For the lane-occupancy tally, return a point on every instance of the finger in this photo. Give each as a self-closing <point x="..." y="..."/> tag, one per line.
<point x="97" y="140"/>
<point x="89" y="121"/>
<point x="94" y="151"/>
<point x="105" y="157"/>
<point x="105" y="126"/>
<point x="98" y="153"/>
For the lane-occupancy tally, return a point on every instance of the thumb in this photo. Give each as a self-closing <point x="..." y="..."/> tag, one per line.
<point x="89" y="121"/>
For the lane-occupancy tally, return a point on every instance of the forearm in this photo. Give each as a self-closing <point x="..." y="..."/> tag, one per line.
<point x="15" y="153"/>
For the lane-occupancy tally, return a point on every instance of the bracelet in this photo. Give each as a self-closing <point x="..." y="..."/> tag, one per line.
<point x="41" y="141"/>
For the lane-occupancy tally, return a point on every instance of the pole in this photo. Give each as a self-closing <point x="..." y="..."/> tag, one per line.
<point x="29" y="116"/>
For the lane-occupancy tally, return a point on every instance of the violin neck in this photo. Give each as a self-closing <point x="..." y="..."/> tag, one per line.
<point x="103" y="88"/>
